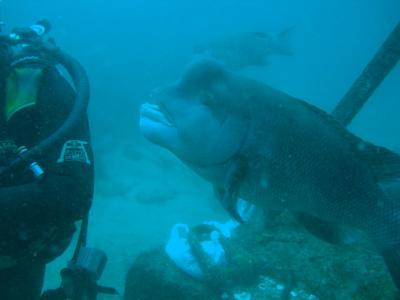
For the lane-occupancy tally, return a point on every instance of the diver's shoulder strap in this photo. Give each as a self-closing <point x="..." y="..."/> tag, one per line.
<point x="22" y="88"/>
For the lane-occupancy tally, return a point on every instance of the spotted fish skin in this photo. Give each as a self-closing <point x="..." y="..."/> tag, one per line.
<point x="279" y="152"/>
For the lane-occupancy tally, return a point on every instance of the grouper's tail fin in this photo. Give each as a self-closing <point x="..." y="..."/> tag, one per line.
<point x="391" y="257"/>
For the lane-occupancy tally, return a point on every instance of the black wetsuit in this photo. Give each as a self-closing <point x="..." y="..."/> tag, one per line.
<point x="37" y="217"/>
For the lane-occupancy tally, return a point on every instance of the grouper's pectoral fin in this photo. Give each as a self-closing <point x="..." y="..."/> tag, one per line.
<point x="229" y="201"/>
<point x="327" y="231"/>
<point x="229" y="194"/>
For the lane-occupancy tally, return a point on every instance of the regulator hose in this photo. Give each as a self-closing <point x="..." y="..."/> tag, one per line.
<point x="82" y="90"/>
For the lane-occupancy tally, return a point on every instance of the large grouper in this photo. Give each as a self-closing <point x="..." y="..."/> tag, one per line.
<point x="243" y="49"/>
<point x="278" y="152"/>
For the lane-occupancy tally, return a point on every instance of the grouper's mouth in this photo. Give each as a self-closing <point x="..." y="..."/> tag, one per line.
<point x="155" y="113"/>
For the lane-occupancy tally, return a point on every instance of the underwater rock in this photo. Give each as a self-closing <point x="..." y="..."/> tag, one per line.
<point x="154" y="276"/>
<point x="282" y="263"/>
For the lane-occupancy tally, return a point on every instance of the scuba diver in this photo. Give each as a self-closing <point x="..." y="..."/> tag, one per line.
<point x="46" y="160"/>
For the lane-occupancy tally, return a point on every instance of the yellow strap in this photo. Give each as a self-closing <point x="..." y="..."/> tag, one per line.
<point x="22" y="89"/>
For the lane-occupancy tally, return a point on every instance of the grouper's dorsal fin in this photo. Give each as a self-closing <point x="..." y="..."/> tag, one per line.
<point x="324" y="115"/>
<point x="384" y="163"/>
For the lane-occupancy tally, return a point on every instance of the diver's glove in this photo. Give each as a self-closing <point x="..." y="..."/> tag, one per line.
<point x="196" y="250"/>
<point x="200" y="250"/>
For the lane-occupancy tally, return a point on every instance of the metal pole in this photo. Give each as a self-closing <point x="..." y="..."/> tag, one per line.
<point x="372" y="76"/>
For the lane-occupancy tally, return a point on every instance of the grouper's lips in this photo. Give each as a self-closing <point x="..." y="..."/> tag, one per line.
<point x="154" y="113"/>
